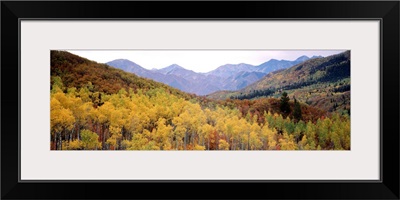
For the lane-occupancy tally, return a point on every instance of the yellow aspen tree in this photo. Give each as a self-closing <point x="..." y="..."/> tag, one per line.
<point x="139" y="141"/>
<point x="287" y="142"/>
<point x="61" y="119"/>
<point x="90" y="140"/>
<point x="303" y="144"/>
<point x="272" y="139"/>
<point x="255" y="142"/>
<point x="253" y="135"/>
<point x="116" y="136"/>
<point x="163" y="134"/>
<point x="103" y="122"/>
<point x="199" y="147"/>
<point x="310" y="132"/>
<point x="268" y="137"/>
<point x="206" y="131"/>
<point x="179" y="131"/>
<point x="223" y="145"/>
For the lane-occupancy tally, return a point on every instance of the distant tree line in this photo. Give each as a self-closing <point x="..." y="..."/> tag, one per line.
<point x="270" y="91"/>
<point x="254" y="94"/>
<point x="343" y="88"/>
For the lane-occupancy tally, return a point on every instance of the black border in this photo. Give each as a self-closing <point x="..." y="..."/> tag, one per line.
<point x="387" y="11"/>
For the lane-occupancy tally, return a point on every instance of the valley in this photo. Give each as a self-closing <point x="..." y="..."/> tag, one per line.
<point x="122" y="106"/>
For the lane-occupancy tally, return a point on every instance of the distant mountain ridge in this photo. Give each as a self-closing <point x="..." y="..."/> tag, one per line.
<point x="273" y="64"/>
<point x="228" y="70"/>
<point x="225" y="77"/>
<point x="77" y="72"/>
<point x="322" y="82"/>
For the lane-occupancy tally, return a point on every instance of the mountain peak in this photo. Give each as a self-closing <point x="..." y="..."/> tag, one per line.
<point x="177" y="70"/>
<point x="235" y="65"/>
<point x="125" y="65"/>
<point x="171" y="68"/>
<point x="302" y="58"/>
<point x="316" y="57"/>
<point x="174" y="66"/>
<point x="228" y="70"/>
<point x="121" y="61"/>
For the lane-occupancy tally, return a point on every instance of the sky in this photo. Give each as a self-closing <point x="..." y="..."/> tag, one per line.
<point x="197" y="60"/>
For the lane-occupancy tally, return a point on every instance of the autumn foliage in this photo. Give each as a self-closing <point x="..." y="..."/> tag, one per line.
<point x="108" y="109"/>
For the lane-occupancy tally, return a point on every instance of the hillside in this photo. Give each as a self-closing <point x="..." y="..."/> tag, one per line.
<point x="241" y="79"/>
<point x="258" y="107"/>
<point x="79" y="72"/>
<point x="319" y="82"/>
<point x="97" y="107"/>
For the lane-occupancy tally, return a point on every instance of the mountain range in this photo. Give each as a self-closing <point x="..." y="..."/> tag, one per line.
<point x="319" y="82"/>
<point x="225" y="77"/>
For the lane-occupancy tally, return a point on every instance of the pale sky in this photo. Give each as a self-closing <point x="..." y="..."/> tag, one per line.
<point x="197" y="60"/>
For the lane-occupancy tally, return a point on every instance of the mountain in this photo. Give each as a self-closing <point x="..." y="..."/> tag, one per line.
<point x="317" y="70"/>
<point x="173" y="75"/>
<point x="131" y="67"/>
<point x="320" y="82"/>
<point x="179" y="71"/>
<point x="316" y="57"/>
<point x="301" y="59"/>
<point x="273" y="64"/>
<point x="171" y="69"/>
<point x="78" y="72"/>
<point x="228" y="70"/>
<point x="127" y="66"/>
<point x="169" y="79"/>
<point x="225" y="77"/>
<point x="241" y="80"/>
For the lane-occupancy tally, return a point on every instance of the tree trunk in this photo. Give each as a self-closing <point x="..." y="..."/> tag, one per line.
<point x="217" y="141"/>
<point x="60" y="141"/>
<point x="176" y="141"/>
<point x="70" y="134"/>
<point x="184" y="147"/>
<point x="77" y="132"/>
<point x="265" y="144"/>
<point x="103" y="141"/>
<point x="193" y="138"/>
<point x="55" y="141"/>
<point x="248" y="141"/>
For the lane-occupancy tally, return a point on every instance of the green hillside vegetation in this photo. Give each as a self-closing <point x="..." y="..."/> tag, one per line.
<point x="96" y="107"/>
<point x="319" y="82"/>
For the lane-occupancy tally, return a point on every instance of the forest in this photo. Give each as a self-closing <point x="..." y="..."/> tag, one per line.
<point x="321" y="82"/>
<point x="96" y="107"/>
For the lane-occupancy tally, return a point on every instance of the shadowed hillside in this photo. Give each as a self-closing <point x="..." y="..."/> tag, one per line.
<point x="319" y="82"/>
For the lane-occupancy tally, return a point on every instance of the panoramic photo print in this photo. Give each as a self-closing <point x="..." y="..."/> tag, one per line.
<point x="230" y="100"/>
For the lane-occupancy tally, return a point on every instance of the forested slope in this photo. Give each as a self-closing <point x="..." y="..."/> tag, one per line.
<point x="96" y="107"/>
<point x="319" y="82"/>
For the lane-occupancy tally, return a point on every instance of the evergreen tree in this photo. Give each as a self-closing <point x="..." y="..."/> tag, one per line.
<point x="284" y="106"/>
<point x="297" y="110"/>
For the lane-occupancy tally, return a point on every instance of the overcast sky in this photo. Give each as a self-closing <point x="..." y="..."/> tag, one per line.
<point x="197" y="60"/>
